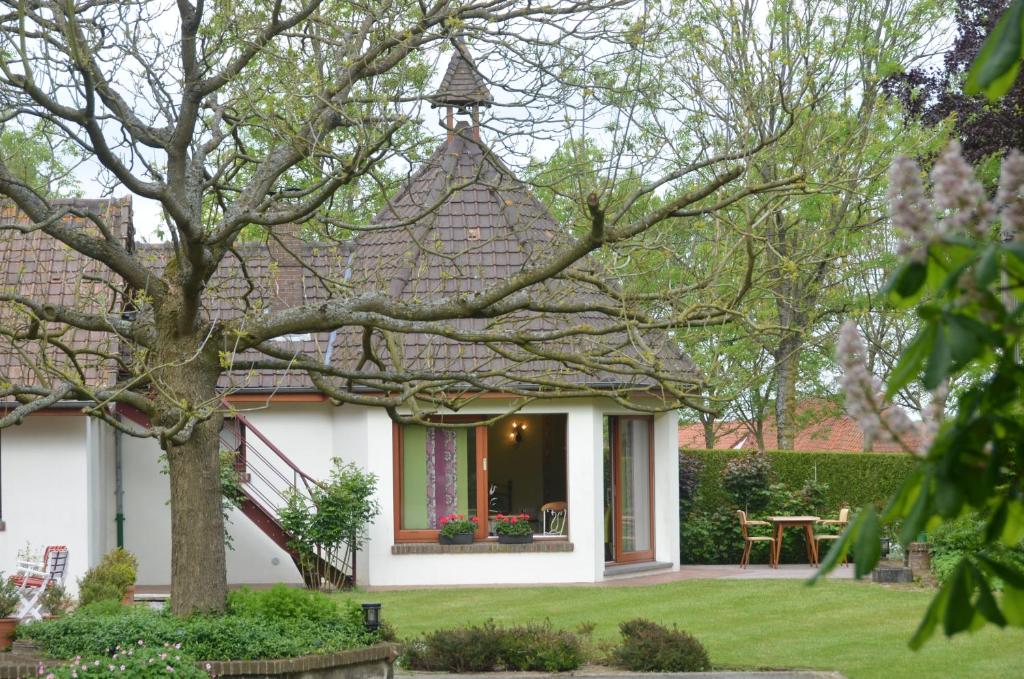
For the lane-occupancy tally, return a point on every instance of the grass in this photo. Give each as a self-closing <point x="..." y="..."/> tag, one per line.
<point x="858" y="629"/>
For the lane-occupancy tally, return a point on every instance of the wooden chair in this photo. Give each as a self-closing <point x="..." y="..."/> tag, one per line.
<point x="32" y="579"/>
<point x="844" y="518"/>
<point x="749" y="540"/>
<point x="553" y="516"/>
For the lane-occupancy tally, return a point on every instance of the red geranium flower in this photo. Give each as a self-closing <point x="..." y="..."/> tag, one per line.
<point x="500" y="516"/>
<point x="475" y="520"/>
<point x="444" y="520"/>
<point x="514" y="520"/>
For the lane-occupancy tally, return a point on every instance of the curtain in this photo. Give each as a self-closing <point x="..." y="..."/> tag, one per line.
<point x="442" y="474"/>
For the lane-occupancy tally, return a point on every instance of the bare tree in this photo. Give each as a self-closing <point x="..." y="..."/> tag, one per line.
<point x="244" y="119"/>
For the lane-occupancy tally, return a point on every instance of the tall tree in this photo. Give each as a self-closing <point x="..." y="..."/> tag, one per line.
<point x="238" y="116"/>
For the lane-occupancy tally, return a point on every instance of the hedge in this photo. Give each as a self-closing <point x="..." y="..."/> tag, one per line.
<point x="853" y="478"/>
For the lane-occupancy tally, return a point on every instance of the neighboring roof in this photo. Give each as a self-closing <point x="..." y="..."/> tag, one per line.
<point x="462" y="84"/>
<point x="36" y="266"/>
<point x="827" y="432"/>
<point x="463" y="224"/>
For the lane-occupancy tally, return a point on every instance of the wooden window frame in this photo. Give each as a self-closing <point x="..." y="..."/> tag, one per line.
<point x="616" y="442"/>
<point x="398" y="448"/>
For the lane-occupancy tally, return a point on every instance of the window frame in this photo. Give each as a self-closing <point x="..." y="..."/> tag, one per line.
<point x="648" y="554"/>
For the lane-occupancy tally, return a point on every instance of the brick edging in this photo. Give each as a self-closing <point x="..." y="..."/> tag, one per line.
<point x="302" y="663"/>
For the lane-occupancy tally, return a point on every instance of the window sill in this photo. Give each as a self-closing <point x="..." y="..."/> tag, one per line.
<point x="484" y="547"/>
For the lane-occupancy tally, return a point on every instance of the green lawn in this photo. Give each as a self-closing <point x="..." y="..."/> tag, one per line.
<point x="858" y="629"/>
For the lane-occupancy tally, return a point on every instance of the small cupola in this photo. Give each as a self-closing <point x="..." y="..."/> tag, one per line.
<point x="463" y="90"/>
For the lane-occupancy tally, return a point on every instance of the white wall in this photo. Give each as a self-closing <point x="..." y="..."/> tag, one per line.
<point x="586" y="518"/>
<point x="45" y="491"/>
<point x="666" y="488"/>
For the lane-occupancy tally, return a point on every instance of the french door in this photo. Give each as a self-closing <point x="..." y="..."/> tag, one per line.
<point x="630" y="488"/>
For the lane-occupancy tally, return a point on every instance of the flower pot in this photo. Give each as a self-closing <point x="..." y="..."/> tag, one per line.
<point x="457" y="539"/>
<point x="129" y="595"/>
<point x="7" y="626"/>
<point x="515" y="539"/>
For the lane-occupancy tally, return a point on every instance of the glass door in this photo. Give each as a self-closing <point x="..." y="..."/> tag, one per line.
<point x="633" y="449"/>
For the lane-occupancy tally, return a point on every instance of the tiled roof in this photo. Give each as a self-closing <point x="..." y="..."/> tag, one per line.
<point x="37" y="267"/>
<point x="463" y="224"/>
<point x="828" y="432"/>
<point x="462" y="84"/>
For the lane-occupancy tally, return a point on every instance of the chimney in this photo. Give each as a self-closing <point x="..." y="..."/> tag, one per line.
<point x="287" y="251"/>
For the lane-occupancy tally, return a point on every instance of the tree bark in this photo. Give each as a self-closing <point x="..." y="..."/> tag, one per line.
<point x="709" y="431"/>
<point x="787" y="357"/>
<point x="186" y="373"/>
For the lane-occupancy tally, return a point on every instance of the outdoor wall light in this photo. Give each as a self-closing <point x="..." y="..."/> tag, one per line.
<point x="371" y="617"/>
<point x="517" y="432"/>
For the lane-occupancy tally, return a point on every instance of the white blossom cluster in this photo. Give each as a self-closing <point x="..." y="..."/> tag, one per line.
<point x="865" y="400"/>
<point x="933" y="414"/>
<point x="910" y="210"/>
<point x="959" y="193"/>
<point x="1011" y="183"/>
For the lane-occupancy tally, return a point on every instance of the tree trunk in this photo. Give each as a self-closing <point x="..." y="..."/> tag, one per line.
<point x="709" y="431"/>
<point x="787" y="358"/>
<point x="187" y="372"/>
<point x="198" y="567"/>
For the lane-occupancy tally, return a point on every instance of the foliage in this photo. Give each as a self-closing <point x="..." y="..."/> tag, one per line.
<point x="690" y="468"/>
<point x="963" y="536"/>
<point x="331" y="523"/>
<point x="746" y="479"/>
<point x="965" y="283"/>
<point x="650" y="647"/>
<point x="484" y="648"/>
<point x="995" y="69"/>
<point x="109" y="579"/>
<point x="714" y="537"/>
<point x="264" y="625"/>
<point x="844" y="478"/>
<point x="9" y="599"/>
<point x="458" y="524"/>
<point x="513" y="525"/>
<point x="56" y="600"/>
<point x="131" y="660"/>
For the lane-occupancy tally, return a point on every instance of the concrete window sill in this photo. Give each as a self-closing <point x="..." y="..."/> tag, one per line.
<point x="484" y="547"/>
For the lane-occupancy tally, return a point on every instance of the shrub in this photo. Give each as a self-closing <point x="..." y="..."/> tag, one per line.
<point x="953" y="540"/>
<point x="9" y="599"/>
<point x="55" y="600"/>
<point x="98" y="630"/>
<point x="746" y="480"/>
<point x="110" y="579"/>
<point x="281" y="602"/>
<point x="138" y="661"/>
<point x="485" y="648"/>
<point x="689" y="480"/>
<point x="649" y="647"/>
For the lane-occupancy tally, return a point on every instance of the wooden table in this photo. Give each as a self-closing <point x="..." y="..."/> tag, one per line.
<point x="779" y="523"/>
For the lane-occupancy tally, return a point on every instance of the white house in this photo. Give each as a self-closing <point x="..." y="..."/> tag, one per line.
<point x="66" y="478"/>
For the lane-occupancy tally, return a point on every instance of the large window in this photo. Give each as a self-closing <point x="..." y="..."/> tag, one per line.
<point x="516" y="465"/>
<point x="628" y="488"/>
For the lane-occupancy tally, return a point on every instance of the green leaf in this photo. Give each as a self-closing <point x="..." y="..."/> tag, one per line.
<point x="988" y="266"/>
<point x="949" y="498"/>
<point x="959" y="611"/>
<point x="868" y="547"/>
<point x="918" y="515"/>
<point x="998" y="62"/>
<point x="911" y="361"/>
<point x="907" y="280"/>
<point x="1009" y="574"/>
<point x="938" y="360"/>
<point x="1013" y="605"/>
<point x="936" y="610"/>
<point x="986" y="603"/>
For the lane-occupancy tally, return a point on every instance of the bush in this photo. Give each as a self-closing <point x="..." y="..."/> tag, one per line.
<point x="9" y="599"/>
<point x="138" y="661"/>
<point x="281" y="602"/>
<point x="485" y="648"/>
<point x="110" y="579"/>
<point x="745" y="478"/>
<point x="953" y="540"/>
<point x="650" y="647"/>
<point x="266" y="628"/>
<point x="55" y="600"/>
<point x="690" y="468"/>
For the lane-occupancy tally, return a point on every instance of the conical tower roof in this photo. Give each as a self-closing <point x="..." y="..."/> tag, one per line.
<point x="463" y="224"/>
<point x="462" y="85"/>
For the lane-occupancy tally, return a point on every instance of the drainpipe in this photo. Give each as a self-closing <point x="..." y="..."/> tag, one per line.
<point x="118" y="487"/>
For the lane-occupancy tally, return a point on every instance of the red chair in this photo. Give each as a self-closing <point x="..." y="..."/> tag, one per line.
<point x="32" y="579"/>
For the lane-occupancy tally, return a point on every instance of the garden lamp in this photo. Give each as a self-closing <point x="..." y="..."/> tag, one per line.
<point x="371" y="617"/>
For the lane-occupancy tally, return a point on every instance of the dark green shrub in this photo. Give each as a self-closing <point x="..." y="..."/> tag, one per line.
<point x="110" y="579"/>
<point x="98" y="630"/>
<point x="9" y="599"/>
<point x="745" y="478"/>
<point x="487" y="647"/>
<point x="689" y="481"/>
<point x="649" y="647"/>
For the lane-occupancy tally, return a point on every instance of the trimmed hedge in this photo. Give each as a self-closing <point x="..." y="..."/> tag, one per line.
<point x="852" y="478"/>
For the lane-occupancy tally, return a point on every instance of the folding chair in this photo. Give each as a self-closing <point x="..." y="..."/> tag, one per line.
<point x="553" y="515"/>
<point x="33" y="579"/>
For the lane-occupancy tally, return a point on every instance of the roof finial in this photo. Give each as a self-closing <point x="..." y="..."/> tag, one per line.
<point x="462" y="88"/>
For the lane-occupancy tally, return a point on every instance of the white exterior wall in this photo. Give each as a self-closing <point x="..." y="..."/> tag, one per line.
<point x="586" y="514"/>
<point x="46" y="482"/>
<point x="666" y="488"/>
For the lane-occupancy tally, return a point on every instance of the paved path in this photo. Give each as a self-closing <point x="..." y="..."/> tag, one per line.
<point x="754" y="572"/>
